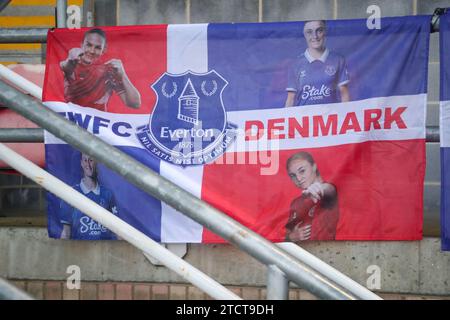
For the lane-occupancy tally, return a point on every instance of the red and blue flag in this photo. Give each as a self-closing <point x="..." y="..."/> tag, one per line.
<point x="212" y="118"/>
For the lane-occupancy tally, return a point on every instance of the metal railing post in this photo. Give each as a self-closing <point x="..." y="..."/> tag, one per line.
<point x="181" y="200"/>
<point x="435" y="19"/>
<point x="61" y="13"/>
<point x="432" y="134"/>
<point x="277" y="284"/>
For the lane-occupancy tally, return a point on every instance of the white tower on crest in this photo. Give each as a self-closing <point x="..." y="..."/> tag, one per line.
<point x="188" y="104"/>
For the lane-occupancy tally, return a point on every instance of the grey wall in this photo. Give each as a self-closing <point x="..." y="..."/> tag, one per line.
<point x="199" y="11"/>
<point x="416" y="267"/>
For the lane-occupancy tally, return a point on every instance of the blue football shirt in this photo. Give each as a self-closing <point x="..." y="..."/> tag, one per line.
<point x="316" y="81"/>
<point x="84" y="227"/>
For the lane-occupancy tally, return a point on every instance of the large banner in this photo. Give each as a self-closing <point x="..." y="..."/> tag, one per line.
<point x="298" y="130"/>
<point x="444" y="37"/>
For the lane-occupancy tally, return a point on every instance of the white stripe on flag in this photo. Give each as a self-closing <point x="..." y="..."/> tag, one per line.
<point x="119" y="129"/>
<point x="444" y="123"/>
<point x="322" y="120"/>
<point x="115" y="128"/>
<point x="186" y="50"/>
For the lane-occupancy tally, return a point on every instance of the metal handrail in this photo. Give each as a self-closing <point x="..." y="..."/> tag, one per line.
<point x="115" y="224"/>
<point x="21" y="82"/>
<point x="37" y="135"/>
<point x="328" y="271"/>
<point x="162" y="189"/>
<point x="9" y="292"/>
<point x="23" y="35"/>
<point x="21" y="135"/>
<point x="4" y="4"/>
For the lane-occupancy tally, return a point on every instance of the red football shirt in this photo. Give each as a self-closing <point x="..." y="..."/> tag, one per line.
<point x="323" y="217"/>
<point x="91" y="85"/>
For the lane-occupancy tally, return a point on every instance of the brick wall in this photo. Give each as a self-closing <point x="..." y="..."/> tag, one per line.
<point x="57" y="290"/>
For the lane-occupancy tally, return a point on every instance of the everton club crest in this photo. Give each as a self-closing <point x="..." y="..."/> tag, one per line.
<point x="188" y="125"/>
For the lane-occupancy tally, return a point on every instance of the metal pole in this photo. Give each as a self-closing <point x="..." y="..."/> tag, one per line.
<point x="4" y="4"/>
<point x="21" y="135"/>
<point x="432" y="134"/>
<point x="277" y="284"/>
<point x="328" y="271"/>
<point x="61" y="13"/>
<point x="21" y="82"/>
<point x="181" y="200"/>
<point x="9" y="292"/>
<point x="37" y="135"/>
<point x="23" y="35"/>
<point x="116" y="225"/>
<point x="435" y="19"/>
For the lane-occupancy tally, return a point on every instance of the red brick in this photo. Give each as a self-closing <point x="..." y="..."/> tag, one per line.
<point x="236" y="290"/>
<point x="177" y="292"/>
<point x="70" y="294"/>
<point x="305" y="295"/>
<point x="141" y="292"/>
<point x="392" y="296"/>
<point x="88" y="291"/>
<point x="208" y="297"/>
<point x="426" y="297"/>
<point x="124" y="291"/>
<point x="106" y="291"/>
<point x="436" y="297"/>
<point x="195" y="293"/>
<point x="53" y="290"/>
<point x="293" y="294"/>
<point x="160" y="292"/>
<point x="396" y="296"/>
<point x="250" y="293"/>
<point x="263" y="294"/>
<point x="36" y="289"/>
<point x="22" y="285"/>
<point x="414" y="297"/>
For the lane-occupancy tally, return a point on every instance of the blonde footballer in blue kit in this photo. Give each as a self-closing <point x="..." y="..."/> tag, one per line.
<point x="77" y="225"/>
<point x="319" y="76"/>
